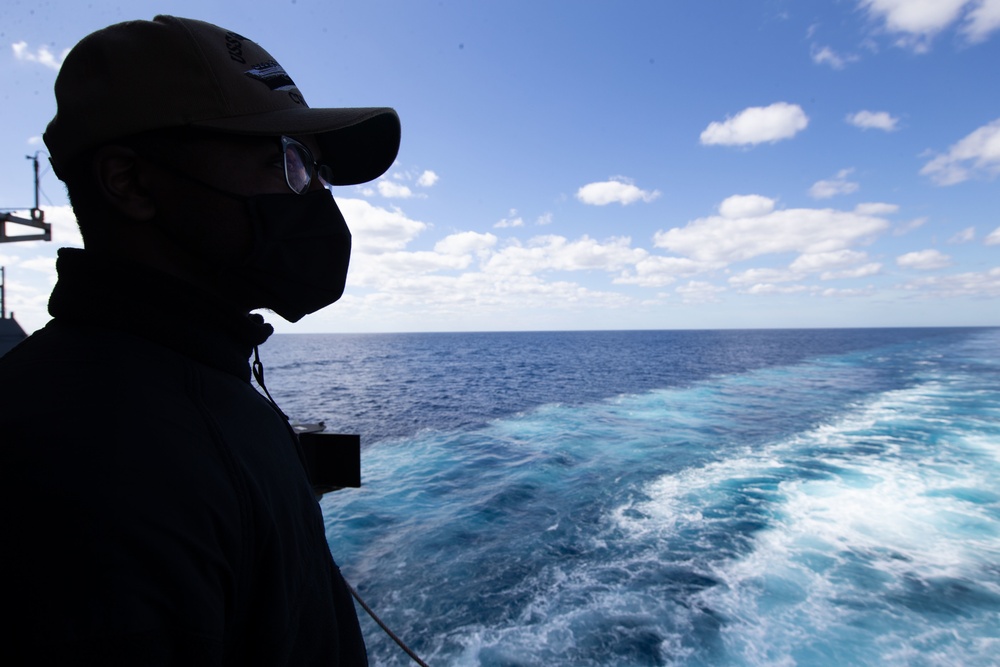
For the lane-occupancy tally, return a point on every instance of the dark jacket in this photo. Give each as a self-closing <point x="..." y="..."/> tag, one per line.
<point x="153" y="505"/>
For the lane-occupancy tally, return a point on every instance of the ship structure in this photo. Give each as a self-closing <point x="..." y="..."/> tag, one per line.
<point x="11" y="332"/>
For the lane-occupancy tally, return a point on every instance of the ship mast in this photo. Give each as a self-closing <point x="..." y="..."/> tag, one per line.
<point x="10" y="331"/>
<point x="37" y="219"/>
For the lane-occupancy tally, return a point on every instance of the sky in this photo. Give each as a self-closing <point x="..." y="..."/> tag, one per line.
<point x="694" y="164"/>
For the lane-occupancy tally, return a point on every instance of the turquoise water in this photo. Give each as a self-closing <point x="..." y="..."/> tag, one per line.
<point x="666" y="498"/>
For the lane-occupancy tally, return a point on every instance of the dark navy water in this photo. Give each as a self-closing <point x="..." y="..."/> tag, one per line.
<point x="811" y="497"/>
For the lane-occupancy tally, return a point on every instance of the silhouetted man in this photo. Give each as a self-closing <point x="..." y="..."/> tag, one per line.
<point x="154" y="505"/>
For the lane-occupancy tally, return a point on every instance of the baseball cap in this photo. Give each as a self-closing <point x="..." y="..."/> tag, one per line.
<point x="172" y="72"/>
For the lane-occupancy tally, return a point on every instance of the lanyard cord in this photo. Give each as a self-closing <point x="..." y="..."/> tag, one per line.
<point x="381" y="624"/>
<point x="258" y="373"/>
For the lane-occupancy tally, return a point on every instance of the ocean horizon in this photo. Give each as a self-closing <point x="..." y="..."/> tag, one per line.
<point x="719" y="497"/>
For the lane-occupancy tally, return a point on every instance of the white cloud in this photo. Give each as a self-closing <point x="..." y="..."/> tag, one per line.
<point x="827" y="56"/>
<point x="993" y="238"/>
<point x="391" y="190"/>
<point x="427" y="179"/>
<point x="376" y="230"/>
<point x="753" y="277"/>
<point x="875" y="208"/>
<point x="836" y="265"/>
<point x="512" y="220"/>
<point x="544" y="219"/>
<point x="873" y="120"/>
<point x="771" y="288"/>
<point x="382" y="269"/>
<point x="548" y="253"/>
<point x="825" y="261"/>
<point x="42" y="55"/>
<point x="857" y="272"/>
<point x="699" y="292"/>
<point x="404" y="263"/>
<point x="971" y="284"/>
<point x="465" y="243"/>
<point x="977" y="154"/>
<point x="909" y="226"/>
<point x="756" y="125"/>
<point x="924" y="260"/>
<point x="617" y="189"/>
<point x="833" y="292"/>
<point x="918" y="21"/>
<point x="982" y="20"/>
<point x="915" y="16"/>
<point x="964" y="236"/>
<point x="838" y="185"/>
<point x="657" y="271"/>
<point x="722" y="239"/>
<point x="746" y="206"/>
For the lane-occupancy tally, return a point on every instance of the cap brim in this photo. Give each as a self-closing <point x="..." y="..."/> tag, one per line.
<point x="359" y="144"/>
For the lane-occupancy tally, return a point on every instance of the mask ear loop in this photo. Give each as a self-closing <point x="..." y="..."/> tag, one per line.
<point x="258" y="374"/>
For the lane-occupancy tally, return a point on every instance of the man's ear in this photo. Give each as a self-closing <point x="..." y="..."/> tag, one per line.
<point x="122" y="179"/>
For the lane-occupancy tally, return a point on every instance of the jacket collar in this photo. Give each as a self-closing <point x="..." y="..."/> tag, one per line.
<point x="100" y="291"/>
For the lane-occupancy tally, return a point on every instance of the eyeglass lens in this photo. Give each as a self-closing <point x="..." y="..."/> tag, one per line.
<point x="300" y="167"/>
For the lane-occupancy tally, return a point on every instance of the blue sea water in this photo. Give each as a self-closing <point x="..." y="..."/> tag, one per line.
<point x="787" y="497"/>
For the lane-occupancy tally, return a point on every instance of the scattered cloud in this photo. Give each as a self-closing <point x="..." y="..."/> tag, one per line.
<point x="756" y="125"/>
<point x="557" y="253"/>
<point x="976" y="155"/>
<point x="617" y="189"/>
<point x="699" y="292"/>
<point x="512" y="220"/>
<point x="759" y="276"/>
<point x="826" y="261"/>
<point x="966" y="235"/>
<point x="876" y="208"/>
<point x="391" y="190"/>
<point x="870" y="269"/>
<point x="827" y="56"/>
<point x="771" y="288"/>
<point x="971" y="284"/>
<point x="746" y="206"/>
<point x="839" y="185"/>
<point x="376" y="230"/>
<point x="982" y="20"/>
<point x="837" y="265"/>
<point x="924" y="260"/>
<point x="398" y="184"/>
<point x="993" y="238"/>
<point x="873" y="120"/>
<point x="427" y="179"/>
<point x="849" y="292"/>
<point x="917" y="22"/>
<point x="657" y="270"/>
<point x="909" y="226"/>
<point x="729" y="239"/>
<point x="41" y="55"/>
<point x="544" y="219"/>
<point x="466" y="243"/>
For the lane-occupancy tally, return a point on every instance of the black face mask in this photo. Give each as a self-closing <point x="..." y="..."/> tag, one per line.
<point x="300" y="254"/>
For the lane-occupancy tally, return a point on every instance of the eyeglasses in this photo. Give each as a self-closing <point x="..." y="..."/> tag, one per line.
<point x="301" y="167"/>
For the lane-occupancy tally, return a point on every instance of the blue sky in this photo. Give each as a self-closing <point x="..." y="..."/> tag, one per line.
<point x="613" y="165"/>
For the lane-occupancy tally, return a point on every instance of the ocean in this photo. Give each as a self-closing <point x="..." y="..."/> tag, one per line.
<point x="781" y="497"/>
